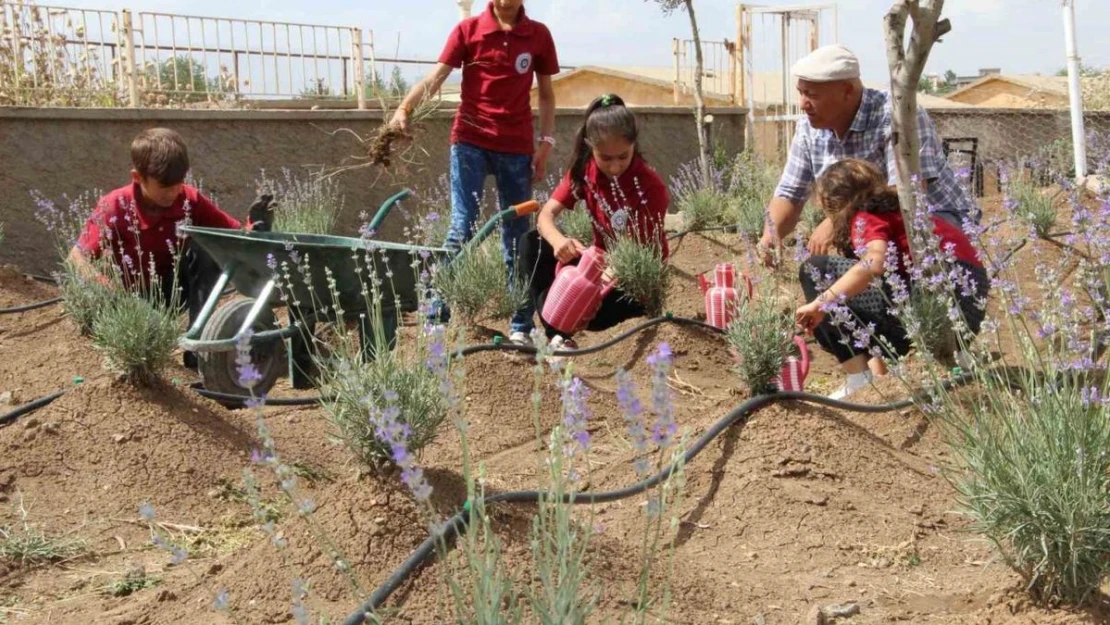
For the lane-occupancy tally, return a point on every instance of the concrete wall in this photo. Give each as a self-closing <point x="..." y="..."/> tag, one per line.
<point x="71" y="151"/>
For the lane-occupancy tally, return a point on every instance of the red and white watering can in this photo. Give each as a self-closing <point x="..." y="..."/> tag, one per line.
<point x="721" y="297"/>
<point x="794" y="372"/>
<point x="577" y="292"/>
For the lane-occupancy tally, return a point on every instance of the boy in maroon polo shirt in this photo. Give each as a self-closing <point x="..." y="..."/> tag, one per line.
<point x="499" y="51"/>
<point x="137" y="224"/>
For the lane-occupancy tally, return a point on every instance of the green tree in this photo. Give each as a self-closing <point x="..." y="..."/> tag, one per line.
<point x="182" y="76"/>
<point x="1086" y="71"/>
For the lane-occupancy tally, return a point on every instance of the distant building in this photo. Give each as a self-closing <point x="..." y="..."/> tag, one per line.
<point x="638" y="86"/>
<point x="1014" y="91"/>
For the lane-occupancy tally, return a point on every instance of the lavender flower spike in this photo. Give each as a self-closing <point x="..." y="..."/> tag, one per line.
<point x="662" y="400"/>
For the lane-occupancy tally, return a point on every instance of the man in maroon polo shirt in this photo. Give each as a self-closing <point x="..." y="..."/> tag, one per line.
<point x="137" y="224"/>
<point x="499" y="51"/>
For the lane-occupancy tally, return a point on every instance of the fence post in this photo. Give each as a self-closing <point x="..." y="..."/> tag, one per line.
<point x="677" y="69"/>
<point x="129" y="63"/>
<point x="1075" y="96"/>
<point x="356" y="57"/>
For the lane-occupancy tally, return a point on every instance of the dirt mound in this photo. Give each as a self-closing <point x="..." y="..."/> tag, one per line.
<point x="106" y="447"/>
<point x="17" y="289"/>
<point x="372" y="523"/>
<point x="802" y="507"/>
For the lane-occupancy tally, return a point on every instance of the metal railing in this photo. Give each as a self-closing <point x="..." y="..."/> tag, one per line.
<point x="58" y="55"/>
<point x="718" y="68"/>
<point x="49" y="55"/>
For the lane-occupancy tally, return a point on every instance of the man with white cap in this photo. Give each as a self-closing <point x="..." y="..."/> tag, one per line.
<point x="845" y="120"/>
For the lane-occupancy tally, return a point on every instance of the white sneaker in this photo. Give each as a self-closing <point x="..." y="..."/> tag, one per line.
<point x="520" y="338"/>
<point x="855" y="382"/>
<point x="559" y="343"/>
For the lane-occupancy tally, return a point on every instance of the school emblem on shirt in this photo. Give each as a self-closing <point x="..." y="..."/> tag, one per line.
<point x="523" y="62"/>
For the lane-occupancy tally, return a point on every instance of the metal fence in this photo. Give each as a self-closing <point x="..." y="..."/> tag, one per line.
<point x="718" y="68"/>
<point x="65" y="56"/>
<point x="58" y="55"/>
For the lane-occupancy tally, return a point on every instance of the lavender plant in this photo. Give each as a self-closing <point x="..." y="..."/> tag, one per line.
<point x="657" y="446"/>
<point x="136" y="334"/>
<point x="1035" y="206"/>
<point x="703" y="204"/>
<point x="640" y="272"/>
<point x="428" y="225"/>
<point x="752" y="183"/>
<point x="559" y="543"/>
<point x="373" y="401"/>
<point x="1031" y="470"/>
<point x="761" y="334"/>
<point x="577" y="224"/>
<point x="475" y="284"/>
<point x="310" y="204"/>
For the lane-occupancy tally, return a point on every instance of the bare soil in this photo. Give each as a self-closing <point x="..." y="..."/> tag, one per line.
<point x="794" y="509"/>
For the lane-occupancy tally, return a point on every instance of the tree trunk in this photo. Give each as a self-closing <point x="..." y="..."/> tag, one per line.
<point x="699" y="100"/>
<point x="906" y="65"/>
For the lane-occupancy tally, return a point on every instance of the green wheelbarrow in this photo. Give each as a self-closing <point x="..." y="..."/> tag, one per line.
<point x="328" y="270"/>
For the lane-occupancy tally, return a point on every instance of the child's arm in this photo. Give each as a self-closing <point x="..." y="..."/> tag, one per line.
<point x="566" y="248"/>
<point x="546" y="97"/>
<point x="426" y="88"/>
<point x="206" y="214"/>
<point x="81" y="265"/>
<point x="852" y="283"/>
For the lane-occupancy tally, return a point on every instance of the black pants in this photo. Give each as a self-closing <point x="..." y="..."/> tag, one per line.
<point x="537" y="266"/>
<point x="872" y="307"/>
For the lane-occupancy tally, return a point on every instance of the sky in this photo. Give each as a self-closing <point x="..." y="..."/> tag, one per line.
<point x="1018" y="36"/>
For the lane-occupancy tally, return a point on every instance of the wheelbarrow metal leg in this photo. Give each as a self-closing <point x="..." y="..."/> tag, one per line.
<point x="260" y="302"/>
<point x="210" y="304"/>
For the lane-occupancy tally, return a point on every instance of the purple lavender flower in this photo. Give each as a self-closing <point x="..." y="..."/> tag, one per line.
<point x="662" y="399"/>
<point x="223" y="598"/>
<point x="633" y="411"/>
<point x="146" y="511"/>
<point x="395" y="434"/>
<point x="575" y="415"/>
<point x="249" y="375"/>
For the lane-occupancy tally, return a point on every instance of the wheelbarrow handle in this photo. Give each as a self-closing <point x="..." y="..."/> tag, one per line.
<point x="526" y="208"/>
<point x="376" y="223"/>
<point x="513" y="212"/>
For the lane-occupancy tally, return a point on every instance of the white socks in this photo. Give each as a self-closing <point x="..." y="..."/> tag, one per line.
<point x="855" y="382"/>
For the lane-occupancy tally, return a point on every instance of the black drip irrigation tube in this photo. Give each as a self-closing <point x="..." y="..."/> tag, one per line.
<point x="26" y="307"/>
<point x="35" y="404"/>
<point x="739" y="415"/>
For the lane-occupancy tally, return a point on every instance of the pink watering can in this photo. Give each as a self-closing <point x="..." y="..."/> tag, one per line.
<point x="576" y="294"/>
<point x="721" y="297"/>
<point x="794" y="372"/>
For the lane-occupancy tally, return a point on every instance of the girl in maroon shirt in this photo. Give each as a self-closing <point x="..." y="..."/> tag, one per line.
<point x="867" y="223"/>
<point x="624" y="197"/>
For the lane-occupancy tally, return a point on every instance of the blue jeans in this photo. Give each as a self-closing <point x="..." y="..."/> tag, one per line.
<point x="470" y="165"/>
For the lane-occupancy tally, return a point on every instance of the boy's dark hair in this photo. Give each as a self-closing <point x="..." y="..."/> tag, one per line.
<point x="606" y="117"/>
<point x="160" y="153"/>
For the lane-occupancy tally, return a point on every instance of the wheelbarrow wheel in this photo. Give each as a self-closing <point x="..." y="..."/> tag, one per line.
<point x="218" y="370"/>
